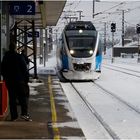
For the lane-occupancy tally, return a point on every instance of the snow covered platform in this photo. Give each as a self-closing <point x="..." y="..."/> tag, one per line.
<point x="48" y="122"/>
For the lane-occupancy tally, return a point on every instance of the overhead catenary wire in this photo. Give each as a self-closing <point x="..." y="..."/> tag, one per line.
<point x="114" y="12"/>
<point x="102" y="12"/>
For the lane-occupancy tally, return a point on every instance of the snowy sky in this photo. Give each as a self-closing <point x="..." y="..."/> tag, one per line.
<point x="110" y="11"/>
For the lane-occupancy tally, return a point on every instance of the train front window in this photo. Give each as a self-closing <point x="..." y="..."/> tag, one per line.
<point x="81" y="43"/>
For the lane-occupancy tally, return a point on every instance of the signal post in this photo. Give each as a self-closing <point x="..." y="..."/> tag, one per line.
<point x="113" y="30"/>
<point x="138" y="32"/>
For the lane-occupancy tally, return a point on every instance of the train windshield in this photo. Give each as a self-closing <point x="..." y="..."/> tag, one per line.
<point x="80" y="43"/>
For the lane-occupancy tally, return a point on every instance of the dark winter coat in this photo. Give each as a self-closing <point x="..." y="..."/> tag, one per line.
<point x="14" y="67"/>
<point x="25" y="58"/>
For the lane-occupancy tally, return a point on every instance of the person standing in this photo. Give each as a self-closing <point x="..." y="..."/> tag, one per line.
<point x="16" y="76"/>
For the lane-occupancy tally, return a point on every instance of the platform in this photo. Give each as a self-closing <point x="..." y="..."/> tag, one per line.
<point x="50" y="111"/>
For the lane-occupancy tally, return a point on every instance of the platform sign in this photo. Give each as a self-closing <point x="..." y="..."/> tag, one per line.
<point x="22" y="8"/>
<point x="35" y="35"/>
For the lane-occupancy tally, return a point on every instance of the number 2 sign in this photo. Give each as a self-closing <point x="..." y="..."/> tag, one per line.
<point x="22" y="8"/>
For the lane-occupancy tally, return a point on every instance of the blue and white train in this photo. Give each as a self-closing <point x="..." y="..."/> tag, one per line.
<point x="79" y="53"/>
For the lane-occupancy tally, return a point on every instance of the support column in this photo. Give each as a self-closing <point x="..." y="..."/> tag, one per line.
<point x="112" y="60"/>
<point x="45" y="48"/>
<point x="105" y="38"/>
<point x="34" y="48"/>
<point x="50" y="39"/>
<point x="41" y="46"/>
<point x="25" y="40"/>
<point x="122" y="28"/>
<point x="0" y="40"/>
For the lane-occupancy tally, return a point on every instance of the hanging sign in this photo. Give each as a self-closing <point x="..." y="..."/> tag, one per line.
<point x="36" y="34"/>
<point x="22" y="8"/>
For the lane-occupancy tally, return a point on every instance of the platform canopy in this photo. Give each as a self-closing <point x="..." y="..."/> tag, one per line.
<point x="47" y="13"/>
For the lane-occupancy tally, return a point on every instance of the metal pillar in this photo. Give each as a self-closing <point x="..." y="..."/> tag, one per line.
<point x="138" y="48"/>
<point x="41" y="46"/>
<point x="46" y="48"/>
<point x="93" y="8"/>
<point x="56" y="36"/>
<point x="112" y="60"/>
<point x="0" y="42"/>
<point x="24" y="42"/>
<point x="50" y="39"/>
<point x="34" y="49"/>
<point x="122" y="28"/>
<point x="105" y="38"/>
<point x="7" y="26"/>
<point x="80" y="15"/>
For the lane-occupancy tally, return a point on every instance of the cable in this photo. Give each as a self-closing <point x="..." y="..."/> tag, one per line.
<point x="77" y="4"/>
<point x="109" y="8"/>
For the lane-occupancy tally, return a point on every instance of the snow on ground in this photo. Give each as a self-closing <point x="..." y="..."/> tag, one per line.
<point x="32" y="88"/>
<point x="49" y="67"/>
<point x="122" y="120"/>
<point x="87" y="122"/>
<point x="123" y="85"/>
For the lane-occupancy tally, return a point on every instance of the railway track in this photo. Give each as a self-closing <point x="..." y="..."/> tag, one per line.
<point x="123" y="70"/>
<point x="117" y="98"/>
<point x="95" y="113"/>
<point x="136" y="71"/>
<point x="108" y="109"/>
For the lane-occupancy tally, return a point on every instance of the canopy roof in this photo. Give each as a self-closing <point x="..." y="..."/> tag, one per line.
<point x="47" y="13"/>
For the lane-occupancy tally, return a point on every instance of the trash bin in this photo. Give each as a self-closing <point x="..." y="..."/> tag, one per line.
<point x="3" y="98"/>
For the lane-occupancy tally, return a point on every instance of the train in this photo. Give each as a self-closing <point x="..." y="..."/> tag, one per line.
<point x="79" y="52"/>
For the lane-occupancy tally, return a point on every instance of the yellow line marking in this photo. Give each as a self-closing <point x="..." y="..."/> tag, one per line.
<point x="53" y="110"/>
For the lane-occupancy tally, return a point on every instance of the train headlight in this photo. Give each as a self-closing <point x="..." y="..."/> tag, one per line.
<point x="91" y="52"/>
<point x="80" y="31"/>
<point x="71" y="51"/>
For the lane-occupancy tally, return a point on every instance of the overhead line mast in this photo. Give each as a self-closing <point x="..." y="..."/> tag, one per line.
<point x="93" y="8"/>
